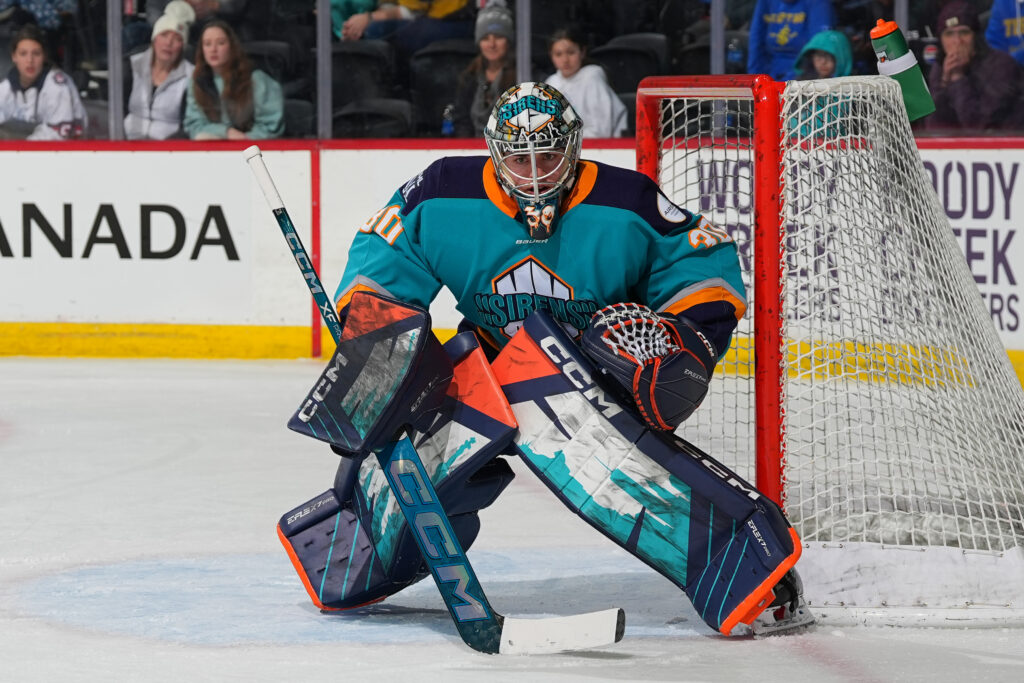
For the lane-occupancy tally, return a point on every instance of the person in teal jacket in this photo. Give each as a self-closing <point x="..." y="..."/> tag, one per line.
<point x="826" y="55"/>
<point x="228" y="99"/>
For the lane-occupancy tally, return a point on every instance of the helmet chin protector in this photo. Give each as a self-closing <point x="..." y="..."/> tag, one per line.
<point x="533" y="135"/>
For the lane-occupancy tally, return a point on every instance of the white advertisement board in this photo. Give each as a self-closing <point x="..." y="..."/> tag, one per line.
<point x="179" y="237"/>
<point x="982" y="192"/>
<point x="183" y="236"/>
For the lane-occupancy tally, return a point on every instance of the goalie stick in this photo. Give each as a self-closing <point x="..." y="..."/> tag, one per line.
<point x="479" y="625"/>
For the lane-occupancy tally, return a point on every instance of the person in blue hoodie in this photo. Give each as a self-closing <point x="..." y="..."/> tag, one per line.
<point x="778" y="31"/>
<point x="1005" y="30"/>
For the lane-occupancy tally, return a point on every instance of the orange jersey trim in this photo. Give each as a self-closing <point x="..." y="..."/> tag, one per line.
<point x="706" y="296"/>
<point x="496" y="193"/>
<point x="585" y="180"/>
<point x="346" y="298"/>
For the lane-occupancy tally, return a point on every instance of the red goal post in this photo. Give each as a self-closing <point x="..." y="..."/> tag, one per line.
<point x="763" y="95"/>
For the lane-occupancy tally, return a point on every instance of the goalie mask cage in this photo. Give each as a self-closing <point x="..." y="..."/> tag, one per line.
<point x="883" y="409"/>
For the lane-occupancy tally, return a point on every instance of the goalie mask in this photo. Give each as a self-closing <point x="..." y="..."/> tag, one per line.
<point x="533" y="135"/>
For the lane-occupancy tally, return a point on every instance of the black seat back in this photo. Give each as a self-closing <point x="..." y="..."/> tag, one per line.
<point x="434" y="72"/>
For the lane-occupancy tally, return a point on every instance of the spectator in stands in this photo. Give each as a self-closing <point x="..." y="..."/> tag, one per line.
<point x="55" y="18"/>
<point x="856" y="18"/>
<point x="974" y="86"/>
<point x="1006" y="28"/>
<point x="341" y="10"/>
<point x="826" y="55"/>
<point x="250" y="19"/>
<point x="491" y="72"/>
<point x="585" y="86"/>
<point x="160" y="77"/>
<point x="412" y="24"/>
<point x="779" y="29"/>
<point x="228" y="98"/>
<point x="38" y="101"/>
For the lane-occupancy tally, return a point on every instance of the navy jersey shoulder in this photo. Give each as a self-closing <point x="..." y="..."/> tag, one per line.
<point x="623" y="188"/>
<point x="446" y="178"/>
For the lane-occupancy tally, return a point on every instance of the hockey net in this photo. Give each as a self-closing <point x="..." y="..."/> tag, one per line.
<point x="884" y="412"/>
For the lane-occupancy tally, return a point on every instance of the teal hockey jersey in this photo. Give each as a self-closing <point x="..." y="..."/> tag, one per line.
<point x="618" y="239"/>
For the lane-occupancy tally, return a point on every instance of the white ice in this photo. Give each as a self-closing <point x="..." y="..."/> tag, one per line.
<point x="138" y="504"/>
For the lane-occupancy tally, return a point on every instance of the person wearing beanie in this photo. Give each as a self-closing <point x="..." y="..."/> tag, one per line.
<point x="492" y="71"/>
<point x="975" y="88"/>
<point x="496" y="19"/>
<point x="160" y="78"/>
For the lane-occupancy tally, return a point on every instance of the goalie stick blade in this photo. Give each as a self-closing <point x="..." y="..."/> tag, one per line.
<point x="559" y="634"/>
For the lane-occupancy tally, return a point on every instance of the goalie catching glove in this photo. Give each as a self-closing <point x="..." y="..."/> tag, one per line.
<point x="662" y="360"/>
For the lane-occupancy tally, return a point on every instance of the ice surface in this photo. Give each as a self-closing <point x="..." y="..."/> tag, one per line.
<point x="138" y="501"/>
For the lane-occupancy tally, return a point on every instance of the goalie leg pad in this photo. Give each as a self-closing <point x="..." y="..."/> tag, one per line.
<point x="351" y="546"/>
<point x="346" y="559"/>
<point x="659" y="497"/>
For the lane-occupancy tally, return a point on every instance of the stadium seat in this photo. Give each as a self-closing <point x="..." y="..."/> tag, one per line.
<point x="299" y="119"/>
<point x="274" y="57"/>
<point x="628" y="58"/>
<point x="360" y="70"/>
<point x="373" y="118"/>
<point x="434" y="72"/>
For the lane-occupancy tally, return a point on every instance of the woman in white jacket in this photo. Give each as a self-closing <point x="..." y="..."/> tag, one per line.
<point x="160" y="79"/>
<point x="38" y="101"/>
<point x="585" y="86"/>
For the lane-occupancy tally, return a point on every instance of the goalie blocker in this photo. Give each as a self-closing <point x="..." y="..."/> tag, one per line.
<point x="351" y="545"/>
<point x="683" y="513"/>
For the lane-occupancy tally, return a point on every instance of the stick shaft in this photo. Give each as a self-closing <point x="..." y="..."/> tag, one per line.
<point x="323" y="302"/>
<point x="477" y="622"/>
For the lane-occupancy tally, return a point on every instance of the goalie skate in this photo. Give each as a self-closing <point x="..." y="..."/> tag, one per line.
<point x="787" y="612"/>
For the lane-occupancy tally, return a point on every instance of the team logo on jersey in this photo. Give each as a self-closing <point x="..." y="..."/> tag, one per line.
<point x="530" y="286"/>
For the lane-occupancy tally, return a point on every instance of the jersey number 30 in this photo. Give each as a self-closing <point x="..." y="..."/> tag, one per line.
<point x="386" y="223"/>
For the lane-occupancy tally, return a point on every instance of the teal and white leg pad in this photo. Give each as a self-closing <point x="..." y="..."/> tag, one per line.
<point x="659" y="497"/>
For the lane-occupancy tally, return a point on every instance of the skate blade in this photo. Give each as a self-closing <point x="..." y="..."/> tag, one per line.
<point x="770" y="624"/>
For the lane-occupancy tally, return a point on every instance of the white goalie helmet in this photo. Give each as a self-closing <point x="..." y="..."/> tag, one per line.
<point x="533" y="135"/>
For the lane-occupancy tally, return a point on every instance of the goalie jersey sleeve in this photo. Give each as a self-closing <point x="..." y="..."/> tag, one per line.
<point x="618" y="239"/>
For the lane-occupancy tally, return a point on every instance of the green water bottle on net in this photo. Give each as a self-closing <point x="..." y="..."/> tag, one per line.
<point x="897" y="61"/>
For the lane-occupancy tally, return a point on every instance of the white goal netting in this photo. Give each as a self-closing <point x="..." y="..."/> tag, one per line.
<point x="903" y="420"/>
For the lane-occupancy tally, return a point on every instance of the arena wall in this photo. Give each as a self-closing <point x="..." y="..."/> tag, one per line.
<point x="169" y="250"/>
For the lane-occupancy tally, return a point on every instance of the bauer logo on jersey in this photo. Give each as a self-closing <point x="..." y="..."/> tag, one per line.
<point x="530" y="286"/>
<point x="671" y="212"/>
